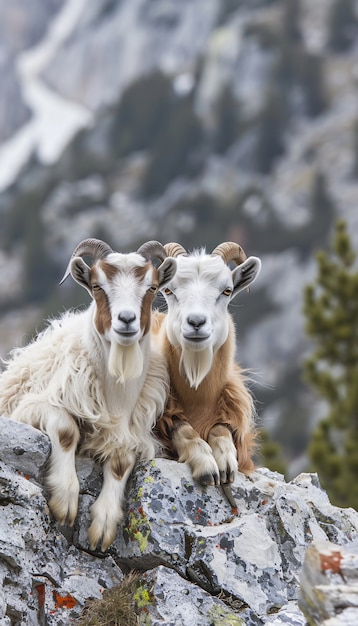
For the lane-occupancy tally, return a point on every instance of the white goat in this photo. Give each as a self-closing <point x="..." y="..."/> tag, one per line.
<point x="208" y="421"/>
<point x="91" y="380"/>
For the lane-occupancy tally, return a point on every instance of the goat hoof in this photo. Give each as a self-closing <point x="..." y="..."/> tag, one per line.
<point x="226" y="476"/>
<point x="103" y="532"/>
<point x="209" y="480"/>
<point x="65" y="515"/>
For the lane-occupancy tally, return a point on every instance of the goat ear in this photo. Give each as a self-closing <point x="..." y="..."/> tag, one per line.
<point x="245" y="274"/>
<point x="80" y="273"/>
<point x="166" y="271"/>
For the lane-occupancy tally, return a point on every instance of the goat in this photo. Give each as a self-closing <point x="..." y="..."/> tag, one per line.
<point x="92" y="381"/>
<point x="208" y="421"/>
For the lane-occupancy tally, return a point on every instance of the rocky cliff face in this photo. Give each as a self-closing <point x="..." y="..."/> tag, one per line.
<point x="22" y="26"/>
<point x="200" y="561"/>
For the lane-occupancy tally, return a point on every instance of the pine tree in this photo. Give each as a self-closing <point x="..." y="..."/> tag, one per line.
<point x="355" y="149"/>
<point x="331" y="310"/>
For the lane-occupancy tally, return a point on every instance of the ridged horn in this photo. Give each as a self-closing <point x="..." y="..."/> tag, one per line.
<point x="230" y="251"/>
<point x="94" y="248"/>
<point x="175" y="249"/>
<point x="152" y="250"/>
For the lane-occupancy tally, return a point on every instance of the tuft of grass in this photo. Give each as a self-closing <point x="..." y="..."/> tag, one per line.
<point x="115" y="608"/>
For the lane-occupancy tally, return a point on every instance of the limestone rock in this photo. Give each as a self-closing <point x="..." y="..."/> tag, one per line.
<point x="175" y="522"/>
<point x="43" y="579"/>
<point x="24" y="448"/>
<point x="181" y="603"/>
<point x="215" y="564"/>
<point x="329" y="584"/>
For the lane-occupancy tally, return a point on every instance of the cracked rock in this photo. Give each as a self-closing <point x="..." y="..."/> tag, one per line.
<point x="212" y="563"/>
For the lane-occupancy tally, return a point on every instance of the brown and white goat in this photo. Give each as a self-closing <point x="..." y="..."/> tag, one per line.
<point x="208" y="421"/>
<point x="92" y="380"/>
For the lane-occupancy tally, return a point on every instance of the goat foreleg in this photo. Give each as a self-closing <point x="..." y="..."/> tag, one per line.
<point x="232" y="438"/>
<point x="192" y="449"/>
<point x="107" y="511"/>
<point x="224" y="451"/>
<point x="62" y="430"/>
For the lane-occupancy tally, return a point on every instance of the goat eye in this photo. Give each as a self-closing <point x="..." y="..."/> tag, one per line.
<point x="153" y="289"/>
<point x="96" y="287"/>
<point x="227" y="292"/>
<point x="168" y="292"/>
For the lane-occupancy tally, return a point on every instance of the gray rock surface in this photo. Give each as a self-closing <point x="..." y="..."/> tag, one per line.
<point x="329" y="585"/>
<point x="203" y="562"/>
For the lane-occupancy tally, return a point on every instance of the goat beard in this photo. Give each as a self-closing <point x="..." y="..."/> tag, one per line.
<point x="196" y="365"/>
<point x="125" y="362"/>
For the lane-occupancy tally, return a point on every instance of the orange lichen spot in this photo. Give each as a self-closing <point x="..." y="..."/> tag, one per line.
<point x="27" y="476"/>
<point x="234" y="510"/>
<point x="263" y="502"/>
<point x="331" y="562"/>
<point x="64" y="602"/>
<point x="41" y="594"/>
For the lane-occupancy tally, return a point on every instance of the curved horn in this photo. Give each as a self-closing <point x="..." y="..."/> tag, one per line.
<point x="230" y="251"/>
<point x="152" y="250"/>
<point x="174" y="249"/>
<point x="94" y="248"/>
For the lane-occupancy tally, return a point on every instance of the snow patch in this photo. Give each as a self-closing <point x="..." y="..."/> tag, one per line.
<point x="54" y="120"/>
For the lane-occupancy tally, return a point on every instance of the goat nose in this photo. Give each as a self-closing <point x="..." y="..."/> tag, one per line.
<point x="196" y="320"/>
<point x="127" y="317"/>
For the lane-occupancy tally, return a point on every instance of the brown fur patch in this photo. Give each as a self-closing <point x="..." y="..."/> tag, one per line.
<point x="67" y="437"/>
<point x="146" y="312"/>
<point x="146" y="309"/>
<point x="221" y="399"/>
<point x="109" y="270"/>
<point x="119" y="465"/>
<point x="103" y="319"/>
<point x="221" y="430"/>
<point x="157" y="322"/>
<point x="186" y="431"/>
<point x="103" y="314"/>
<point x="140" y="272"/>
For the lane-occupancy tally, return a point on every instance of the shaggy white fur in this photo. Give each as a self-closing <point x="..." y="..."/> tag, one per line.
<point x="93" y="380"/>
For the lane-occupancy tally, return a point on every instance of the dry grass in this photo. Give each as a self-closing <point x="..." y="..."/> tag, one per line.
<point x="115" y="608"/>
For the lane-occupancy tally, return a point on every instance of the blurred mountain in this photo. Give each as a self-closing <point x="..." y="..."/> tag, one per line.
<point x="197" y="121"/>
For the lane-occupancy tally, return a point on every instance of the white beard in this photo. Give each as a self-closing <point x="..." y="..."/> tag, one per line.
<point x="196" y="365"/>
<point x="125" y="362"/>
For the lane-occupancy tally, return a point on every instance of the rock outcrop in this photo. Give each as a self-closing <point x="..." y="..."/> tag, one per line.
<point x="329" y="584"/>
<point x="202" y="562"/>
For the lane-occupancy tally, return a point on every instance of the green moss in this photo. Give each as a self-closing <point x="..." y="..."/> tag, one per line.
<point x="221" y="617"/>
<point x="142" y="597"/>
<point x="138" y="528"/>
